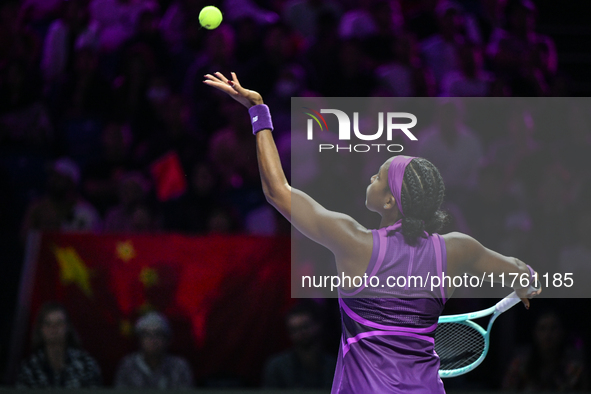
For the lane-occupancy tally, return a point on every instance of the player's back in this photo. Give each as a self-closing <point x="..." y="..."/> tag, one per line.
<point x="388" y="326"/>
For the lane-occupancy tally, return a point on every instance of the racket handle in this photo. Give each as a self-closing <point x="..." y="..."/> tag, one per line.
<point x="511" y="300"/>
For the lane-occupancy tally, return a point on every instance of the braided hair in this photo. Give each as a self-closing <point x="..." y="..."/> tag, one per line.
<point x="421" y="197"/>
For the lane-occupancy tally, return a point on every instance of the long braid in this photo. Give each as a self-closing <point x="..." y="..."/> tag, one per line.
<point x="422" y="194"/>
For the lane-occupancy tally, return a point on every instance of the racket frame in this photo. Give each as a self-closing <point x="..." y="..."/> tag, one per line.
<point x="466" y="319"/>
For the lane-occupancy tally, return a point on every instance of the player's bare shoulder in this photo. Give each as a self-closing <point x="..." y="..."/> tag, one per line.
<point x="354" y="254"/>
<point x="461" y="248"/>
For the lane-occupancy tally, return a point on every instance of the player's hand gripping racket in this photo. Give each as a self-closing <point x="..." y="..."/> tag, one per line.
<point x="462" y="344"/>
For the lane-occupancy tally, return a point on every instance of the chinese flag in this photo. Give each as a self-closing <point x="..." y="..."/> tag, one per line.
<point x="225" y="296"/>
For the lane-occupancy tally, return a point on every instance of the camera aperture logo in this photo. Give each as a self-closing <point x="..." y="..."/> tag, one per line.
<point x="392" y="120"/>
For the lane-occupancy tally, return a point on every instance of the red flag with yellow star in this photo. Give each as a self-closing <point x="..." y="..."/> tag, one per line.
<point x="225" y="296"/>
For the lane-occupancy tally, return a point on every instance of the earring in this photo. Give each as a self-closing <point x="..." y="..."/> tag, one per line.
<point x="385" y="205"/>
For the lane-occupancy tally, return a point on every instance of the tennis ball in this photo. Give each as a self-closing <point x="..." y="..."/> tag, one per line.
<point x="210" y="17"/>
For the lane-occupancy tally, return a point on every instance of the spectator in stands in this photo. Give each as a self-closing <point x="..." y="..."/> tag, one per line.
<point x="440" y="50"/>
<point x="405" y="76"/>
<point x="306" y="365"/>
<point x="304" y="16"/>
<point x="24" y="119"/>
<point x="82" y="93"/>
<point x="61" y="208"/>
<point x="371" y="18"/>
<point x="57" y="359"/>
<point x="131" y="214"/>
<point x="550" y="364"/>
<point x="152" y="367"/>
<point x="130" y="87"/>
<point x="101" y="176"/>
<point x="175" y="21"/>
<point x="470" y="80"/>
<point x="191" y="211"/>
<point x="147" y="33"/>
<point x="354" y="77"/>
<point x="513" y="51"/>
<point x="322" y="55"/>
<point x="72" y="30"/>
<point x="280" y="47"/>
<point x="490" y="17"/>
<point x="18" y="38"/>
<point x="117" y="20"/>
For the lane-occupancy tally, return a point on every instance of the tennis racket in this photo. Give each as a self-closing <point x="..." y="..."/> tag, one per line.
<point x="462" y="344"/>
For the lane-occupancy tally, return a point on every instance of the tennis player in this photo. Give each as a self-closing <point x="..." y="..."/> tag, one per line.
<point x="387" y="344"/>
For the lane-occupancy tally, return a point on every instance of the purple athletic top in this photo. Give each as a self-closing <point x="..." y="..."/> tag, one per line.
<point x="387" y="345"/>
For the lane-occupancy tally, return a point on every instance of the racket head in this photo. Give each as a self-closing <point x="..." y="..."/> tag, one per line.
<point x="461" y="347"/>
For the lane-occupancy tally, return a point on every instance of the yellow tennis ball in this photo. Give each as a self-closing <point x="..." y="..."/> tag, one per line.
<point x="210" y="17"/>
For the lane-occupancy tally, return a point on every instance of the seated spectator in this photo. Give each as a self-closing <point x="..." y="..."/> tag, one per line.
<point x="306" y="365"/>
<point x="550" y="364"/>
<point x="61" y="208"/>
<point x="57" y="360"/>
<point x="152" y="367"/>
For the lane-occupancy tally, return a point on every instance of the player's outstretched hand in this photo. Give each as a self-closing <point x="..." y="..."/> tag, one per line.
<point x="232" y="87"/>
<point x="523" y="293"/>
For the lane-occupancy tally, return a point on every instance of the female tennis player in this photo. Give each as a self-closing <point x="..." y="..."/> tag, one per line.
<point x="387" y="343"/>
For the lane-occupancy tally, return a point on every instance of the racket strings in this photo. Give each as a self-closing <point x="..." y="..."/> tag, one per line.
<point x="457" y="345"/>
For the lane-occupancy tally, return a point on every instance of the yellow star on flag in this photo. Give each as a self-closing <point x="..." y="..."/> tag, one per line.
<point x="125" y="251"/>
<point x="148" y="276"/>
<point x="72" y="269"/>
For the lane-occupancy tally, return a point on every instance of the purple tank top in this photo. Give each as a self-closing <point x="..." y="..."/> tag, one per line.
<point x="387" y="344"/>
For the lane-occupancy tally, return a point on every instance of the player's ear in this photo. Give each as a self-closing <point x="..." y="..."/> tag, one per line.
<point x="389" y="202"/>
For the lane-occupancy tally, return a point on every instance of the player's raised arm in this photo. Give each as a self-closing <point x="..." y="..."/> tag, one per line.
<point x="467" y="255"/>
<point x="338" y="232"/>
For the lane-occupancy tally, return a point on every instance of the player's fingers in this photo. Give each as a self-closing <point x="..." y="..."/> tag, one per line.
<point x="213" y="78"/>
<point x="525" y="302"/>
<point x="235" y="78"/>
<point x="236" y="84"/>
<point x="221" y="86"/>
<point x="221" y="77"/>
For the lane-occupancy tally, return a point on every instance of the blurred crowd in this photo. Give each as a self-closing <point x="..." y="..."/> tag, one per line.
<point x="106" y="126"/>
<point x="57" y="359"/>
<point x="113" y="90"/>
